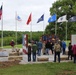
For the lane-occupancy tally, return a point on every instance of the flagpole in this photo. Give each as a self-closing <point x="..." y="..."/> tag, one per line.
<point x="2" y="27"/>
<point x="43" y="27"/>
<point x="31" y="29"/>
<point x="55" y="28"/>
<point x="16" y="27"/>
<point x="66" y="32"/>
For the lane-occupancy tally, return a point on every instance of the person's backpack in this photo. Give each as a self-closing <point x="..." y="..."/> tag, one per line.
<point x="57" y="48"/>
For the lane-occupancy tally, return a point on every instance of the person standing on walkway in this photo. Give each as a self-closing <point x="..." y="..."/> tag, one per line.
<point x="34" y="49"/>
<point x="74" y="52"/>
<point x="57" y="48"/>
<point x="12" y="43"/>
<point x="39" y="46"/>
<point x="47" y="46"/>
<point x="63" y="46"/>
<point x="29" y="53"/>
<point x="70" y="52"/>
<point x="51" y="47"/>
<point x="43" y="47"/>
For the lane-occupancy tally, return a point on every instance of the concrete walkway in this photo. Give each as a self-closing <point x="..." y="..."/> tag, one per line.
<point x="25" y="58"/>
<point x="51" y="59"/>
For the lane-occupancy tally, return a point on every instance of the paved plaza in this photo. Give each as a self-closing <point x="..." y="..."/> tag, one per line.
<point x="25" y="58"/>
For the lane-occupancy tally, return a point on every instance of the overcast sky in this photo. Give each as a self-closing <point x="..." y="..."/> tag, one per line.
<point x="23" y="9"/>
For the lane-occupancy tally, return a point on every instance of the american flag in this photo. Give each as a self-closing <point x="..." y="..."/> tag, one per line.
<point x="0" y="12"/>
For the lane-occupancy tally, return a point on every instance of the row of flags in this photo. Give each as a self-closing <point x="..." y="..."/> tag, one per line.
<point x="30" y="18"/>
<point x="53" y="18"/>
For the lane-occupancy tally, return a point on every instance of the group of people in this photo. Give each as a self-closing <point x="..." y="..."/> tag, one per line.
<point x="56" y="47"/>
<point x="71" y="51"/>
<point x="34" y="48"/>
<point x="45" y="47"/>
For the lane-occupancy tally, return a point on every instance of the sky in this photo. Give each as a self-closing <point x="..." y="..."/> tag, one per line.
<point x="23" y="8"/>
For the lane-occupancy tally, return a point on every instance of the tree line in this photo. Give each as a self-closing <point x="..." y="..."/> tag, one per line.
<point x="9" y="35"/>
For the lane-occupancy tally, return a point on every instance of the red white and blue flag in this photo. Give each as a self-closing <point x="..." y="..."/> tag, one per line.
<point x="0" y="12"/>
<point x="18" y="18"/>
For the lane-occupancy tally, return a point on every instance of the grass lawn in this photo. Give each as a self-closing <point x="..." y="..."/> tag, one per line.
<point x="18" y="46"/>
<point x="65" y="68"/>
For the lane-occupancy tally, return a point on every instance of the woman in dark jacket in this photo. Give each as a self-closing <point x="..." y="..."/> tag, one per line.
<point x="29" y="53"/>
<point x="70" y="52"/>
<point x="47" y="46"/>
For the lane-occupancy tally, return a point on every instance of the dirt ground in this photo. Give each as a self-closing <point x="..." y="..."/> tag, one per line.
<point x="67" y="73"/>
<point x="6" y="64"/>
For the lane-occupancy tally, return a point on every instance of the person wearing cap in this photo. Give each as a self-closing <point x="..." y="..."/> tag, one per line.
<point x="12" y="43"/>
<point x="39" y="46"/>
<point x="57" y="48"/>
<point x="63" y="46"/>
<point x="70" y="52"/>
<point x="34" y="49"/>
<point x="47" y="46"/>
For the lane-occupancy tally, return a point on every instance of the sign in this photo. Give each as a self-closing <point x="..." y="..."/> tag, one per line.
<point x="73" y="39"/>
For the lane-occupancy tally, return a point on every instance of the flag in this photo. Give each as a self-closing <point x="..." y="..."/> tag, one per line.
<point x="0" y="12"/>
<point x="18" y="18"/>
<point x="62" y="19"/>
<point x="29" y="19"/>
<point x="52" y="18"/>
<point x="72" y="19"/>
<point x="41" y="18"/>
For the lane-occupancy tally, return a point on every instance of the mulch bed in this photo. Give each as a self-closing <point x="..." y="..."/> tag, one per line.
<point x="67" y="73"/>
<point x="5" y="64"/>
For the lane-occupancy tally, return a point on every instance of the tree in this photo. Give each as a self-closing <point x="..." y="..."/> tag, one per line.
<point x="60" y="8"/>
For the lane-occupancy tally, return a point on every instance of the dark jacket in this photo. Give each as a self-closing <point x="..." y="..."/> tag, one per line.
<point x="29" y="50"/>
<point x="12" y="43"/>
<point x="70" y="52"/>
<point x="34" y="48"/>
<point x="47" y="45"/>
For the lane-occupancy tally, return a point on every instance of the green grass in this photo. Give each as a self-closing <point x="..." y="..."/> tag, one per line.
<point x="18" y="46"/>
<point x="67" y="42"/>
<point x="68" y="68"/>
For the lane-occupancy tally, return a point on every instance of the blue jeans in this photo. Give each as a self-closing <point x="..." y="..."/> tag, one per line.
<point x="39" y="51"/>
<point x="29" y="57"/>
<point x="74" y="58"/>
<point x="47" y="50"/>
<point x="63" y="51"/>
<point x="34" y="56"/>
